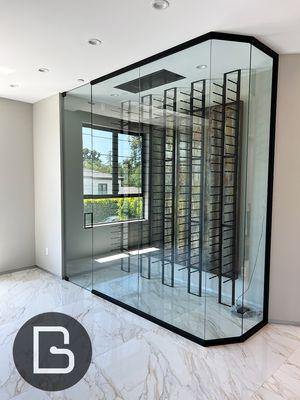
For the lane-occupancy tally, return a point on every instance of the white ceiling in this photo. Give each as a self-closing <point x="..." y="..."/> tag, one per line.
<point x="54" y="34"/>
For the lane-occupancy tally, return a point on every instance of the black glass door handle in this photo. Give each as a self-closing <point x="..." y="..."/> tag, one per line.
<point x="88" y="226"/>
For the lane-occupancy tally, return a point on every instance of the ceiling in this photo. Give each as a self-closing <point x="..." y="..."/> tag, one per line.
<point x="54" y="34"/>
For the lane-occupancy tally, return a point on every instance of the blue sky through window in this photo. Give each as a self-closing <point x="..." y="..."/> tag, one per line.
<point x="101" y="141"/>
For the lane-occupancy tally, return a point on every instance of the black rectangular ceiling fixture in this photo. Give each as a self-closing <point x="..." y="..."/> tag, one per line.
<point x="150" y="81"/>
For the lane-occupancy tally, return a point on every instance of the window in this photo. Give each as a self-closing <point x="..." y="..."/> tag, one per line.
<point x="112" y="175"/>
<point x="102" y="188"/>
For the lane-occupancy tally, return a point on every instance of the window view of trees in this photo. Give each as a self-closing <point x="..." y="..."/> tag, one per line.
<point x="99" y="153"/>
<point x="94" y="160"/>
<point x="130" y="164"/>
<point x="114" y="209"/>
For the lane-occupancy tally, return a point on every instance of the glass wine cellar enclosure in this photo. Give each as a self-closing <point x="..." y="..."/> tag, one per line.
<point x="167" y="171"/>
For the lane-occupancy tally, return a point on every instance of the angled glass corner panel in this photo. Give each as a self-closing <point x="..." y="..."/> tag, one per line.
<point x="256" y="190"/>
<point x="77" y="146"/>
<point x="226" y="147"/>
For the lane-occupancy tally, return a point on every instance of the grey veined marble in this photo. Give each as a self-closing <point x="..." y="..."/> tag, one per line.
<point x="201" y="316"/>
<point x="135" y="359"/>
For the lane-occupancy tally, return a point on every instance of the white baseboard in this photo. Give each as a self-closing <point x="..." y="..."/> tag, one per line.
<point x="282" y="322"/>
<point x="10" y="271"/>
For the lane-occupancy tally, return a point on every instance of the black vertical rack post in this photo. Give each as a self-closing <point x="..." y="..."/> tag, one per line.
<point x="124" y="228"/>
<point x="213" y="208"/>
<point x="182" y="193"/>
<point x="223" y="181"/>
<point x="230" y="168"/>
<point x="222" y="191"/>
<point x="196" y="180"/>
<point x="152" y="124"/>
<point x="169" y="185"/>
<point x="146" y="127"/>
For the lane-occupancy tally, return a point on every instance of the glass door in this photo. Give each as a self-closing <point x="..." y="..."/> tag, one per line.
<point x="118" y="200"/>
<point x="78" y="187"/>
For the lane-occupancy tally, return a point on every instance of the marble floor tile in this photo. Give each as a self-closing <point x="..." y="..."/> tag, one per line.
<point x="108" y="327"/>
<point x="11" y="383"/>
<point x="136" y="359"/>
<point x="30" y="292"/>
<point x="159" y="365"/>
<point x="32" y="394"/>
<point x="284" y="384"/>
<point x="144" y="370"/>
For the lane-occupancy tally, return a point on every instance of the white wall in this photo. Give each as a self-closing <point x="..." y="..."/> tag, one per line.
<point x="285" y="255"/>
<point x="16" y="177"/>
<point x="47" y="180"/>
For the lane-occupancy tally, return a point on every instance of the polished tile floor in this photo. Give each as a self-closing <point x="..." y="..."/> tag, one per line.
<point x="135" y="359"/>
<point x="201" y="316"/>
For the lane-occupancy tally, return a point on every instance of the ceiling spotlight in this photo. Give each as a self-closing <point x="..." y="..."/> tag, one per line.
<point x="94" y="42"/>
<point x="80" y="80"/>
<point x="44" y="70"/>
<point x="160" y="4"/>
<point x="201" y="66"/>
<point x="14" y="85"/>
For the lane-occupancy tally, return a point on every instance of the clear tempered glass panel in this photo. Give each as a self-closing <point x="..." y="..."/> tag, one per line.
<point x="165" y="187"/>
<point x="172" y="116"/>
<point x="117" y="226"/>
<point x="77" y="145"/>
<point x="257" y="187"/>
<point x="226" y="155"/>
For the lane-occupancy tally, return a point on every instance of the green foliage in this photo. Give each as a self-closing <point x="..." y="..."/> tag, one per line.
<point x="129" y="168"/>
<point x="97" y="166"/>
<point x="130" y="208"/>
<point x="114" y="209"/>
<point x="92" y="160"/>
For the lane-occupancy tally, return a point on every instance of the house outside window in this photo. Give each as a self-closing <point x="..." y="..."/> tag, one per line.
<point x="112" y="175"/>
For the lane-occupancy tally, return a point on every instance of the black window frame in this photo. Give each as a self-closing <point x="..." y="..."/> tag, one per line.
<point x="115" y="171"/>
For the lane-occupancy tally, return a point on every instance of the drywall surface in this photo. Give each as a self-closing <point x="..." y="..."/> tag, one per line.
<point x="47" y="181"/>
<point x="16" y="178"/>
<point x="285" y="253"/>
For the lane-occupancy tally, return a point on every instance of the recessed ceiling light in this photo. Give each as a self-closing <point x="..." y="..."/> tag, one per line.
<point x="160" y="4"/>
<point x="14" y="85"/>
<point x="80" y="80"/>
<point x="94" y="42"/>
<point x="5" y="70"/>
<point x="44" y="70"/>
<point x="201" y="66"/>
<point x="114" y="95"/>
